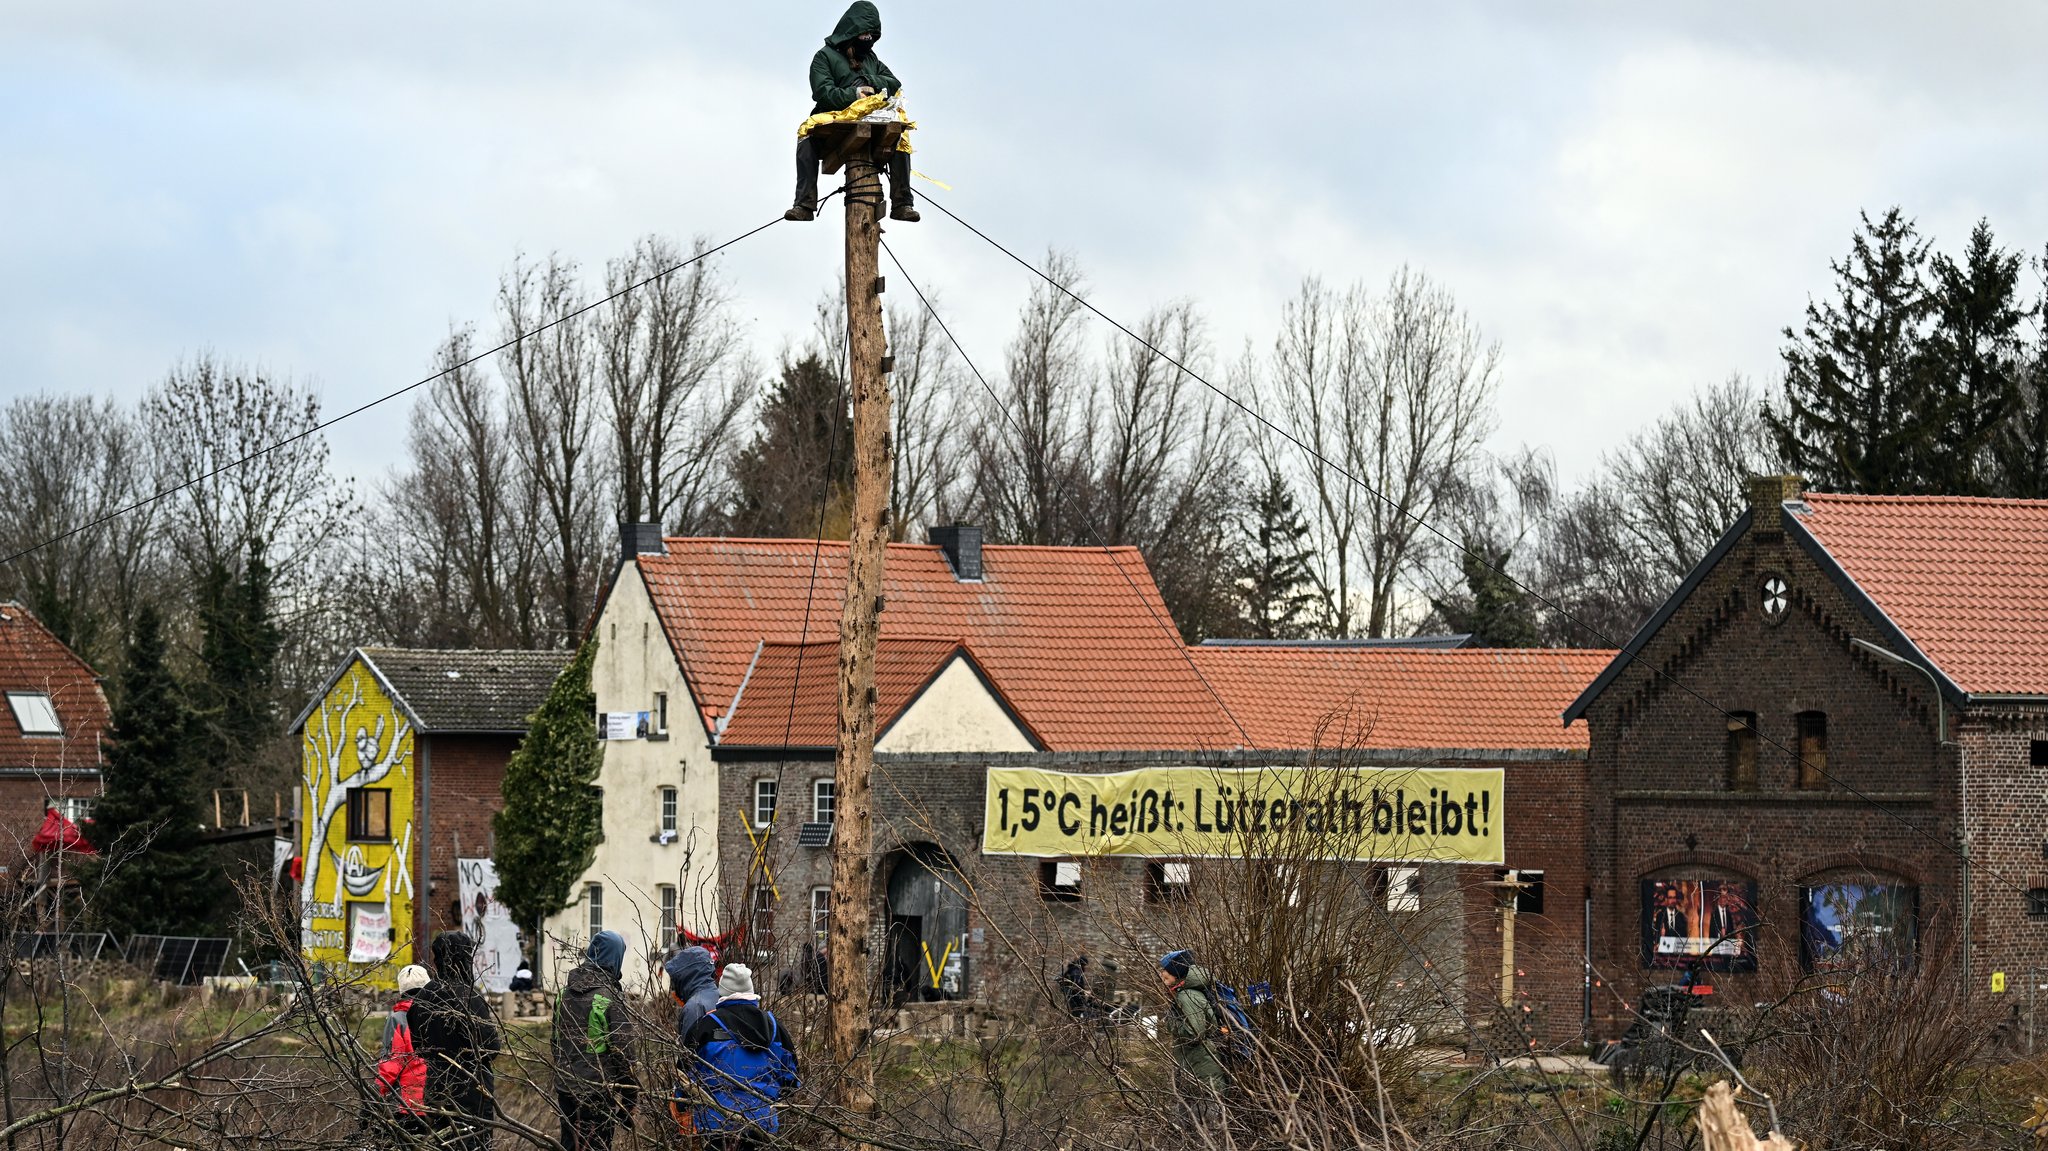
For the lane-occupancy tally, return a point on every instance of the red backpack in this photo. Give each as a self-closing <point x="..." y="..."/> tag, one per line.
<point x="403" y="1071"/>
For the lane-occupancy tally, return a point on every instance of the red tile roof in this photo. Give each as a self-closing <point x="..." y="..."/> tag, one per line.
<point x="1386" y="698"/>
<point x="33" y="660"/>
<point x="1077" y="638"/>
<point x="1966" y="579"/>
<point x="791" y="695"/>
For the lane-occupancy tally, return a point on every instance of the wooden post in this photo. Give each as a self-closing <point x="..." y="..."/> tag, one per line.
<point x="868" y="535"/>
<point x="1513" y="886"/>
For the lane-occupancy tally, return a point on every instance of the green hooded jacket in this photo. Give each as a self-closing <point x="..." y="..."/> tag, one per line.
<point x="1194" y="1029"/>
<point x="835" y="82"/>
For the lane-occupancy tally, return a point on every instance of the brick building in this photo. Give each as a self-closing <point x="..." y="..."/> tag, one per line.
<point x="51" y="731"/>
<point x="1791" y="759"/>
<point x="404" y="755"/>
<point x="997" y="656"/>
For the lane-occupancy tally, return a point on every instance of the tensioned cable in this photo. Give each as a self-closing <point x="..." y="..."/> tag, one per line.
<point x="388" y="396"/>
<point x="1425" y="525"/>
<point x="1179" y="643"/>
<point x="1422" y="962"/>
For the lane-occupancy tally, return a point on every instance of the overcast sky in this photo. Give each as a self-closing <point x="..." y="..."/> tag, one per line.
<point x="1631" y="199"/>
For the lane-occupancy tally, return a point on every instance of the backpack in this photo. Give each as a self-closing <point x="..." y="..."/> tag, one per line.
<point x="743" y="1085"/>
<point x="1234" y="1028"/>
<point x="403" y="1074"/>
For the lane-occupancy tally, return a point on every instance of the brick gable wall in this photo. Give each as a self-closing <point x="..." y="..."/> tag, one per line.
<point x="1658" y="801"/>
<point x="466" y="775"/>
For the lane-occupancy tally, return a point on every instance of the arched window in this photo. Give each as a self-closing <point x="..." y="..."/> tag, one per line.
<point x="1847" y="920"/>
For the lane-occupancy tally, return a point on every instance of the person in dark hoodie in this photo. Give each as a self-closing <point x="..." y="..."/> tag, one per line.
<point x="594" y="1081"/>
<point x="453" y="1031"/>
<point x="741" y="1059"/>
<point x="693" y="983"/>
<point x="843" y="71"/>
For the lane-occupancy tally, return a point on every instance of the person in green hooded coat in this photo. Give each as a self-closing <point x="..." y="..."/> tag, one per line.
<point x="843" y="71"/>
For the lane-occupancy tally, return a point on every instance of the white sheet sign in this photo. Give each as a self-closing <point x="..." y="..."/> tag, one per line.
<point x="487" y="922"/>
<point x="369" y="932"/>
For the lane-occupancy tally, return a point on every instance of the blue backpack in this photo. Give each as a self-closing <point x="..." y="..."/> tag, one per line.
<point x="744" y="1084"/>
<point x="1237" y="1026"/>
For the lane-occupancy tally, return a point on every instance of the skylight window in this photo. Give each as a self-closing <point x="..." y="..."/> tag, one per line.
<point x="35" y="713"/>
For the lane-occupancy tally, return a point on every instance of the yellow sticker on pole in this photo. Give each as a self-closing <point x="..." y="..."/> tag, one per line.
<point x="1998" y="983"/>
<point x="1408" y="815"/>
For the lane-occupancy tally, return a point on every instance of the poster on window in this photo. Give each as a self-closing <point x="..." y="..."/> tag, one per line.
<point x="1708" y="922"/>
<point x="1847" y="923"/>
<point x="622" y="725"/>
<point x="369" y="932"/>
<point x="488" y="922"/>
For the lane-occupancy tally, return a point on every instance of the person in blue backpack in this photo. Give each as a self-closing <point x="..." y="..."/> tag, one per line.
<point x="1199" y="1078"/>
<point x="739" y="1057"/>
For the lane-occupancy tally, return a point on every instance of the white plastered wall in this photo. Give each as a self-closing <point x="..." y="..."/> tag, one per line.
<point x="957" y="712"/>
<point x="634" y="662"/>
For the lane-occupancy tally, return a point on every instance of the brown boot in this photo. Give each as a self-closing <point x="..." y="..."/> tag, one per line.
<point x="800" y="214"/>
<point x="905" y="213"/>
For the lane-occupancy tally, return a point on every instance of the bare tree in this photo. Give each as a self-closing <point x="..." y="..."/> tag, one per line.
<point x="551" y="380"/>
<point x="676" y="380"/>
<point x="67" y="461"/>
<point x="1030" y="445"/>
<point x="930" y="445"/>
<point x="1683" y="478"/>
<point x="1318" y="374"/>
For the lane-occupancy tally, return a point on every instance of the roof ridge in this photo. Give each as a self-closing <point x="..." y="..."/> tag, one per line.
<point x="1874" y="498"/>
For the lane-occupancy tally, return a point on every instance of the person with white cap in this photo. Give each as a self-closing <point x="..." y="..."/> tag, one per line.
<point x="742" y="1061"/>
<point x="402" y="1074"/>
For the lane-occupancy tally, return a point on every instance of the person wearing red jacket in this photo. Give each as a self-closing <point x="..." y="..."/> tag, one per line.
<point x="401" y="1073"/>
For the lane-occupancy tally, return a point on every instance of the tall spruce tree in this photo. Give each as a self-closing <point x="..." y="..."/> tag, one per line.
<point x="1273" y="577"/>
<point x="548" y="831"/>
<point x="1975" y="362"/>
<point x="1856" y="412"/>
<point x="801" y="457"/>
<point x="1494" y="610"/>
<point x="156" y="877"/>
<point x="239" y="645"/>
<point x="2021" y="446"/>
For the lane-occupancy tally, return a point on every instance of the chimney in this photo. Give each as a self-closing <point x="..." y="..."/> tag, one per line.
<point x="1767" y="497"/>
<point x="640" y="539"/>
<point x="962" y="545"/>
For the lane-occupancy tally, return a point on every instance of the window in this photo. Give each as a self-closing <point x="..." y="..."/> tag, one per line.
<point x="369" y="814"/>
<point x="598" y="792"/>
<point x="1528" y="900"/>
<point x="2037" y="903"/>
<point x="35" y="713"/>
<point x="661" y="713"/>
<point x="593" y="894"/>
<point x="2037" y="753"/>
<point x="1059" y="880"/>
<point x="666" y="893"/>
<point x="76" y="808"/>
<point x="1742" y="751"/>
<point x="824" y="800"/>
<point x="764" y="802"/>
<point x="1404" y="888"/>
<point x="668" y="813"/>
<point x="1813" y="749"/>
<point x="762" y="934"/>
<point x="821" y="913"/>
<point x="1168" y="881"/>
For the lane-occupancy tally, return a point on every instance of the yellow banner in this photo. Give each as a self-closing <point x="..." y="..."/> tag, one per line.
<point x="1401" y="815"/>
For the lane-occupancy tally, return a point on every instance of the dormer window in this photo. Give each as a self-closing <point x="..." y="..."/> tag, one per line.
<point x="35" y="713"/>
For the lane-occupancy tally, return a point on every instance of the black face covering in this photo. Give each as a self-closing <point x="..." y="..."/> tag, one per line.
<point x="863" y="46"/>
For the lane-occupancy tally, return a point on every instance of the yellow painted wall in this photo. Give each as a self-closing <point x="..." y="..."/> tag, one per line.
<point x="356" y="738"/>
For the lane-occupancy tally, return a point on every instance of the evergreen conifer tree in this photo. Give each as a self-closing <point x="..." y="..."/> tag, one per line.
<point x="802" y="455"/>
<point x="548" y="831"/>
<point x="156" y="877"/>
<point x="1976" y="359"/>
<point x="1495" y="610"/>
<point x="1857" y="413"/>
<point x="239" y="646"/>
<point x="1273" y="579"/>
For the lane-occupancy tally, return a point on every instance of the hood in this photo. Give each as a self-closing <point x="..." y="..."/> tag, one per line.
<point x="861" y="18"/>
<point x="689" y="972"/>
<point x="454" y="957"/>
<point x="1197" y="979"/>
<point x="744" y="1020"/>
<point x="608" y="950"/>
